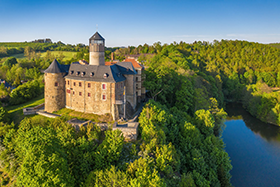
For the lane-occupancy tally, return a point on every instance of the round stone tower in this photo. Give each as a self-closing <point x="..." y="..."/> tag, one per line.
<point x="54" y="87"/>
<point x="96" y="50"/>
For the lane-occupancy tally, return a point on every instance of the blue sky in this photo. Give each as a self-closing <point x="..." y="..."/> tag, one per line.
<point x="135" y="22"/>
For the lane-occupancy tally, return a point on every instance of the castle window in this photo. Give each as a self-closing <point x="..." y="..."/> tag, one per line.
<point x="91" y="74"/>
<point x="77" y="73"/>
<point x="80" y="93"/>
<point x="68" y="82"/>
<point x="74" y="83"/>
<point x="73" y="92"/>
<point x="80" y="84"/>
<point x="56" y="84"/>
<point x="72" y="72"/>
<point x="105" y="75"/>
<point x="103" y="97"/>
<point x="103" y="86"/>
<point x="88" y="94"/>
<point x="88" y="85"/>
<point x="83" y="73"/>
<point x="136" y="78"/>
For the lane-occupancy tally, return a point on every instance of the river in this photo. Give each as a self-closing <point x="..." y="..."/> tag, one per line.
<point x="253" y="147"/>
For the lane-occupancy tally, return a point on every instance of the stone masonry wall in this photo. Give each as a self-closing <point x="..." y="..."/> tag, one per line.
<point x="54" y="91"/>
<point x="87" y="96"/>
<point x="130" y="85"/>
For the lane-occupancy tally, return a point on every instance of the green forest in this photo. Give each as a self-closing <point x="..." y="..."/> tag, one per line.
<point x="180" y="126"/>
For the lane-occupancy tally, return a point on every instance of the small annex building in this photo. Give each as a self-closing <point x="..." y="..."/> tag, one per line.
<point x="91" y="87"/>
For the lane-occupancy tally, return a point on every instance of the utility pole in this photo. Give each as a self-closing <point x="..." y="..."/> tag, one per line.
<point x="124" y="102"/>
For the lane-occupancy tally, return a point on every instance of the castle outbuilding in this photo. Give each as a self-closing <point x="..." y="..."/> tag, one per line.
<point x="91" y="87"/>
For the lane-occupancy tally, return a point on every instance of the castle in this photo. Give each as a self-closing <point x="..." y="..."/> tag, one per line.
<point x="95" y="87"/>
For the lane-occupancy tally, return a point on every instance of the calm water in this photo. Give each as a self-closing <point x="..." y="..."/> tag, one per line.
<point x="254" y="149"/>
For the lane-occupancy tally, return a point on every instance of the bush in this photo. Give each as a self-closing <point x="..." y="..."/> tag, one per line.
<point x="25" y="92"/>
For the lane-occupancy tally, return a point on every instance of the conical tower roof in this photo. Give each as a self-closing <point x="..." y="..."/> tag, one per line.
<point x="54" y="68"/>
<point x="96" y="36"/>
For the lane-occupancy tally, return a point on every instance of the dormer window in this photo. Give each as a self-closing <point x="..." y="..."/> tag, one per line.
<point x="91" y="74"/>
<point x="105" y="75"/>
<point x="72" y="72"/>
<point x="83" y="73"/>
<point x="77" y="73"/>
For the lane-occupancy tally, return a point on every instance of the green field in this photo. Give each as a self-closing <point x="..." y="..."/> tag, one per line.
<point x="68" y="54"/>
<point x="19" y="56"/>
<point x="16" y="111"/>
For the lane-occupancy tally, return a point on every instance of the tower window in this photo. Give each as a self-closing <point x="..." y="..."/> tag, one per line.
<point x="68" y="82"/>
<point x="56" y="84"/>
<point x="88" y="94"/>
<point x="88" y="85"/>
<point x="80" y="84"/>
<point x="80" y="93"/>
<point x="74" y="83"/>
<point x="103" y="97"/>
<point x="103" y="86"/>
<point x="97" y="41"/>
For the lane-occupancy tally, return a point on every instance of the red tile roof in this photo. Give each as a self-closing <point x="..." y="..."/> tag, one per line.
<point x="109" y="63"/>
<point x="133" y="61"/>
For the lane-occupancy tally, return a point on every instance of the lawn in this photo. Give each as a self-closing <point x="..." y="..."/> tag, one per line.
<point x="16" y="111"/>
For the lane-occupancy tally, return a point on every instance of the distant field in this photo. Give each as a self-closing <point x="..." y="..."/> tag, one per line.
<point x="68" y="54"/>
<point x="277" y="45"/>
<point x="19" y="56"/>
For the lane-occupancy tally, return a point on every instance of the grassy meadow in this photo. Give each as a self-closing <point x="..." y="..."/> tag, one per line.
<point x="68" y="54"/>
<point x="16" y="111"/>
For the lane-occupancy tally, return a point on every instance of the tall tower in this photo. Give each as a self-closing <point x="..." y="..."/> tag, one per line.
<point x="54" y="87"/>
<point x="96" y="50"/>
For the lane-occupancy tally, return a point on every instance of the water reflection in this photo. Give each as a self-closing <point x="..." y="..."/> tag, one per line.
<point x="254" y="149"/>
<point x="269" y="132"/>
